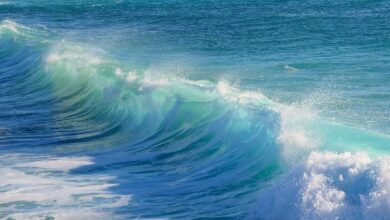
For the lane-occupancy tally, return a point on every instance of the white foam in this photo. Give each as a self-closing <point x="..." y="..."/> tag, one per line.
<point x="12" y="26"/>
<point x="63" y="164"/>
<point x="78" y="56"/>
<point x="294" y="136"/>
<point x="330" y="185"/>
<point x="197" y="83"/>
<point x="131" y="76"/>
<point x="128" y="77"/>
<point x="119" y="72"/>
<point x="153" y="78"/>
<point x="51" y="191"/>
<point x="235" y="95"/>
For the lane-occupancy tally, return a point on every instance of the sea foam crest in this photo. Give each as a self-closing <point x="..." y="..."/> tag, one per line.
<point x="16" y="29"/>
<point x="10" y="25"/>
<point x="77" y="60"/>
<point x="235" y="95"/>
<point x="295" y="136"/>
<point x="329" y="185"/>
<point x="63" y="51"/>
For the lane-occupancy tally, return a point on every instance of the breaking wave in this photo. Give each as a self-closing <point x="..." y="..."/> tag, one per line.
<point x="175" y="145"/>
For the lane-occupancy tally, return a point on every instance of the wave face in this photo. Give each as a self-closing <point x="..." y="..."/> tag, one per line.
<point x="128" y="121"/>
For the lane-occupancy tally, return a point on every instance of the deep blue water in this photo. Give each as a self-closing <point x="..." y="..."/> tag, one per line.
<point x="184" y="109"/>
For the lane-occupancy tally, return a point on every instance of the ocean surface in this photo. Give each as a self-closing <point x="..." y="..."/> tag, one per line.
<point x="194" y="109"/>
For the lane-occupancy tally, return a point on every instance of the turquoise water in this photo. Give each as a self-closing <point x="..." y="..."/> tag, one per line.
<point x="194" y="109"/>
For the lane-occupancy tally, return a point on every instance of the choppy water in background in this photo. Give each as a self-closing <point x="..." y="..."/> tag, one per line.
<point x="194" y="109"/>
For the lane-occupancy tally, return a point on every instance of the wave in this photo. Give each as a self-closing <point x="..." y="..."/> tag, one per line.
<point x="218" y="147"/>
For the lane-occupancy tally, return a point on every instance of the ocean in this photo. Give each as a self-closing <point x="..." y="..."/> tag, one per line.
<point x="203" y="109"/>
